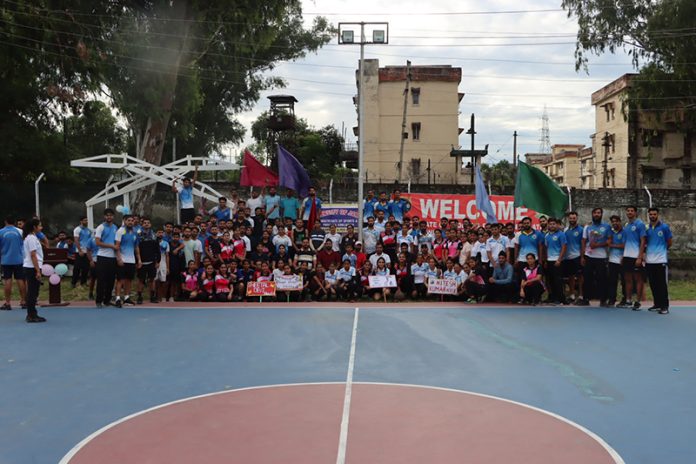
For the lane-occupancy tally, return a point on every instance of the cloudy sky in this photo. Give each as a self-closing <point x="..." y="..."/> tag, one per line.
<point x="512" y="65"/>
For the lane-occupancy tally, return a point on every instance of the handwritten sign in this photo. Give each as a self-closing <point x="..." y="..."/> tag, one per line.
<point x="289" y="283"/>
<point x="264" y="288"/>
<point x="442" y="286"/>
<point x="382" y="281"/>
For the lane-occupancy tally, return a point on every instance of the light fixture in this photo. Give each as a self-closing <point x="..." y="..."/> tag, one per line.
<point x="347" y="37"/>
<point x="378" y="37"/>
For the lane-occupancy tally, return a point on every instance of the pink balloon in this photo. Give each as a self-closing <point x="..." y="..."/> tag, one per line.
<point x="54" y="279"/>
<point x="47" y="270"/>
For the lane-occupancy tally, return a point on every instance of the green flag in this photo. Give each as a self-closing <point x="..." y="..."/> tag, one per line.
<point x="536" y="191"/>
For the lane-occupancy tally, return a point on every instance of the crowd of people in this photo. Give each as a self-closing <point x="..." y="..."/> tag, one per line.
<point x="213" y="255"/>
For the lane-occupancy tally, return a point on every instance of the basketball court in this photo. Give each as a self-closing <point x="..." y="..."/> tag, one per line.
<point x="333" y="383"/>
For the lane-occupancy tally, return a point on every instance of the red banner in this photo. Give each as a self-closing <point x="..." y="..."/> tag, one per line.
<point x="262" y="288"/>
<point x="434" y="206"/>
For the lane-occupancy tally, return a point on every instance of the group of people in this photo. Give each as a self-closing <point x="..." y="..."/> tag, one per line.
<point x="213" y="255"/>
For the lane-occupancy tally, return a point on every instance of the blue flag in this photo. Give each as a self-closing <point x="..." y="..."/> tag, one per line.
<point x="483" y="204"/>
<point x="292" y="174"/>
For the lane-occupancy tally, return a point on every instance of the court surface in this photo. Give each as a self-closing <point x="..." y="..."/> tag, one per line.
<point x="339" y="384"/>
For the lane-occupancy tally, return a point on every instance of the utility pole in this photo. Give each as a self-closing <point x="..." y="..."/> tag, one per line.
<point x="473" y="154"/>
<point x="514" y="149"/>
<point x="606" y="144"/>
<point x="403" y="121"/>
<point x="428" y="171"/>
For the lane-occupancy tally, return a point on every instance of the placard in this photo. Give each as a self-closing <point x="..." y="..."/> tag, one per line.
<point x="288" y="283"/>
<point x="263" y="288"/>
<point x="442" y="286"/>
<point x="339" y="215"/>
<point x="382" y="281"/>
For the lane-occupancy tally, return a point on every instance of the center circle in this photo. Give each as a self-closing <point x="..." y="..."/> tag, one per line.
<point x="301" y="423"/>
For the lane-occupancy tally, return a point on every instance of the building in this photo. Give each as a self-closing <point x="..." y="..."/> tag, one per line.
<point x="562" y="165"/>
<point x="432" y="123"/>
<point x="636" y="148"/>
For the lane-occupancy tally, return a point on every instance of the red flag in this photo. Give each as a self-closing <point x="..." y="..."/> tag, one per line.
<point x="256" y="174"/>
<point x="312" y="214"/>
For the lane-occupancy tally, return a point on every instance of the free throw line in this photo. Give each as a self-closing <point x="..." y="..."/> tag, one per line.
<point x="343" y="440"/>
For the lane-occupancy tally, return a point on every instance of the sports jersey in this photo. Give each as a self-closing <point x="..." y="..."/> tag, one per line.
<point x="425" y="239"/>
<point x="290" y="205"/>
<point x="11" y="246"/>
<point x="419" y="271"/>
<point x="331" y="277"/>
<point x="408" y="239"/>
<point x="222" y="284"/>
<point x="346" y="275"/>
<point x="529" y="243"/>
<point x="93" y="248"/>
<point x="573" y="241"/>
<point x="222" y="214"/>
<point x="128" y="241"/>
<point x="185" y="197"/>
<point x="617" y="238"/>
<point x="398" y="208"/>
<point x="452" y="248"/>
<point x="190" y="281"/>
<point x="478" y="249"/>
<point x="384" y="207"/>
<point x="597" y="233"/>
<point x="633" y="232"/>
<point x="107" y="234"/>
<point x="369" y="208"/>
<point x="432" y="273"/>
<point x="353" y="258"/>
<point x="554" y="244"/>
<point x="307" y="203"/>
<point x="271" y="201"/>
<point x="452" y="275"/>
<point x="148" y="245"/>
<point x="496" y="246"/>
<point x="83" y="234"/>
<point x="656" y="249"/>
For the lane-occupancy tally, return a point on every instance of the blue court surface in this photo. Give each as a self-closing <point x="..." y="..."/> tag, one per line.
<point x="629" y="377"/>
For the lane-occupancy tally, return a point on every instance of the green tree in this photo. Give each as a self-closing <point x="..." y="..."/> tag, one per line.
<point x="501" y="175"/>
<point x="196" y="63"/>
<point x="659" y="37"/>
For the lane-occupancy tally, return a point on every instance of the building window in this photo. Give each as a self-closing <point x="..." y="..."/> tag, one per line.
<point x="415" y="130"/>
<point x="415" y="95"/>
<point x="686" y="179"/>
<point x="609" y="111"/>
<point x="652" y="176"/>
<point x="612" y="141"/>
<point x="652" y="138"/>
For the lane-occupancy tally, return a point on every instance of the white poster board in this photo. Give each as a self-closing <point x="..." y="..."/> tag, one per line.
<point x="442" y="286"/>
<point x="386" y="281"/>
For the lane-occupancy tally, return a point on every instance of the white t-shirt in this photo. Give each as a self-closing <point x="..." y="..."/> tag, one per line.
<point x="335" y="240"/>
<point x="185" y="197"/>
<point x="31" y="243"/>
<point x="496" y="246"/>
<point x="374" y="258"/>
<point x="418" y="272"/>
<point x="465" y="253"/>
<point x="247" y="242"/>
<point x="282" y="240"/>
<point x="254" y="203"/>
<point x="479" y="248"/>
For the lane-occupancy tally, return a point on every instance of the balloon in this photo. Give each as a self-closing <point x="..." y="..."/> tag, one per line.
<point x="125" y="210"/>
<point x="54" y="279"/>
<point x="61" y="269"/>
<point x="119" y="208"/>
<point x="47" y="270"/>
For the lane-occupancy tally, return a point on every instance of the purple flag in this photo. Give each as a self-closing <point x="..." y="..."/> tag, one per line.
<point x="292" y="174"/>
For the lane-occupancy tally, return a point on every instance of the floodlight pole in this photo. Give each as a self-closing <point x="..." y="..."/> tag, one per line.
<point x="36" y="193"/>
<point x="361" y="134"/>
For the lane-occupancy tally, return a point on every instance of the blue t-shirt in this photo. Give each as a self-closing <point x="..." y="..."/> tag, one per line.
<point x="129" y="240"/>
<point x="656" y="249"/>
<point x="107" y="234"/>
<point x="222" y="214"/>
<point x="290" y="205"/>
<point x="185" y="197"/>
<point x="529" y="243"/>
<point x="634" y="232"/>
<point x="554" y="243"/>
<point x="369" y="208"/>
<point x="398" y="208"/>
<point x="308" y="208"/>
<point x="92" y="248"/>
<point x="11" y="246"/>
<point x="270" y="202"/>
<point x="382" y="207"/>
<point x="573" y="241"/>
<point x="617" y="238"/>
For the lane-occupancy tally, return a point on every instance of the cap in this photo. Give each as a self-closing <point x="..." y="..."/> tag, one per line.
<point x="544" y="216"/>
<point x="358" y="242"/>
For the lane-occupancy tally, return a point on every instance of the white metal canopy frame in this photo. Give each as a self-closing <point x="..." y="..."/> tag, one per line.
<point x="142" y="174"/>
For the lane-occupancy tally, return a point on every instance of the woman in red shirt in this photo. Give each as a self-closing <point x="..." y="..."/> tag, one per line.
<point x="206" y="284"/>
<point x="189" y="282"/>
<point x="404" y="281"/>
<point x="226" y="249"/>
<point x="223" y="290"/>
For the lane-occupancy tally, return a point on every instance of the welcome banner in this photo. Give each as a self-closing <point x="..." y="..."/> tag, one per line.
<point x="434" y="206"/>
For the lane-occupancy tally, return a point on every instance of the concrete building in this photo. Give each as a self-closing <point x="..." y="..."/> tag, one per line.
<point x="634" y="148"/>
<point x="432" y="123"/>
<point x="562" y="165"/>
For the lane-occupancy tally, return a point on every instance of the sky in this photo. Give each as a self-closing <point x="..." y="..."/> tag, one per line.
<point x="506" y="76"/>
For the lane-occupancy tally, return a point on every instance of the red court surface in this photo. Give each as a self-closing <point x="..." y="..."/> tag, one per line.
<point x="301" y="424"/>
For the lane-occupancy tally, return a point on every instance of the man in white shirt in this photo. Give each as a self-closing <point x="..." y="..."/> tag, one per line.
<point x="497" y="243"/>
<point x="335" y="238"/>
<point x="370" y="236"/>
<point x="379" y="254"/>
<point x="256" y="201"/>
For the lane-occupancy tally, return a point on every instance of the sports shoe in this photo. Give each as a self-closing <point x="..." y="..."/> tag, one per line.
<point x="654" y="308"/>
<point x="100" y="306"/>
<point x="624" y="304"/>
<point x="154" y="299"/>
<point x="636" y="306"/>
<point x="118" y="302"/>
<point x="582" y="302"/>
<point x="139" y="300"/>
<point x="6" y="307"/>
<point x="128" y="301"/>
<point x="663" y="311"/>
<point x="35" y="319"/>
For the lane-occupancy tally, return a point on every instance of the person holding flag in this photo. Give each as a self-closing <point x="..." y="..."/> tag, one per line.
<point x="311" y="209"/>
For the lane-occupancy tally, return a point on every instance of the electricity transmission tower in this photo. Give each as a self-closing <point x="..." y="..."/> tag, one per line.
<point x="545" y="137"/>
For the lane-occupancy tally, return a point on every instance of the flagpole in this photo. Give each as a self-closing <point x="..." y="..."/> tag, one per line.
<point x="361" y="133"/>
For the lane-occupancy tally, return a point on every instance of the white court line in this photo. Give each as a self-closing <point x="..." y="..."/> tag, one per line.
<point x="343" y="440"/>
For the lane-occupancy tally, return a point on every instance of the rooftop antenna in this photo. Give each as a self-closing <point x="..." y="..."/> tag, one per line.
<point x="545" y="137"/>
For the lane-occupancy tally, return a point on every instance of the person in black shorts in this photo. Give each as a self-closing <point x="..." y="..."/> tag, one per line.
<point x="148" y="260"/>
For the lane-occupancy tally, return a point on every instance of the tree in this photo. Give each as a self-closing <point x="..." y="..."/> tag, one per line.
<point x="196" y="63"/>
<point x="660" y="38"/>
<point x="501" y="175"/>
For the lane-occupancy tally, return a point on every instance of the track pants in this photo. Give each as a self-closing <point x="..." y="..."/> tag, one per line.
<point x="33" y="286"/>
<point x="555" y="282"/>
<point x="80" y="270"/>
<point x="595" y="275"/>
<point x="106" y="275"/>
<point x="657" y="276"/>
